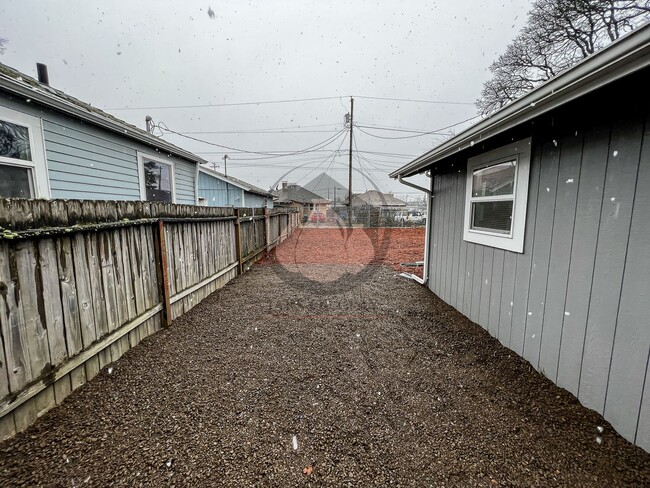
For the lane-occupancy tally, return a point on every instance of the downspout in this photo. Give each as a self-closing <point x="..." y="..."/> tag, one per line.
<point x="425" y="267"/>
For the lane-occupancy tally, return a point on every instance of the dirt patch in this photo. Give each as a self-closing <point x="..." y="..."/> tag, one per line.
<point x="265" y="384"/>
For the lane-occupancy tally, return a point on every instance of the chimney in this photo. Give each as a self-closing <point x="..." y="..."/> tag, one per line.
<point x="284" y="185"/>
<point x="43" y="77"/>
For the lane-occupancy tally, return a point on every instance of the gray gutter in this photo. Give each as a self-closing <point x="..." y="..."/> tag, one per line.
<point x="37" y="95"/>
<point x="627" y="55"/>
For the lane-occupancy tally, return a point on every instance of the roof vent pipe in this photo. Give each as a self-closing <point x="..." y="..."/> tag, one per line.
<point x="43" y="77"/>
<point x="149" y="124"/>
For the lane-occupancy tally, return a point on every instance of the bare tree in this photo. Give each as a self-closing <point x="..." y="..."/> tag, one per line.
<point x="2" y="45"/>
<point x="558" y="34"/>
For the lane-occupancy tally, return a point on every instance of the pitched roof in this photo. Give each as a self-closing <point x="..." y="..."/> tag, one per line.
<point x="327" y="187"/>
<point x="236" y="182"/>
<point x="296" y="193"/>
<point x="621" y="58"/>
<point x="376" y="198"/>
<point x="25" y="86"/>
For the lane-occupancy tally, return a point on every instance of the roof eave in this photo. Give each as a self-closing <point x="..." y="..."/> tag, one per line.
<point x="620" y="59"/>
<point x="28" y="92"/>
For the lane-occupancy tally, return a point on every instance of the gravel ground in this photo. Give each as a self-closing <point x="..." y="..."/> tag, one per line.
<point x="271" y="384"/>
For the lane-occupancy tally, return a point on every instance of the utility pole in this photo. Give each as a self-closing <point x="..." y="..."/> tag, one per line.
<point x="350" y="163"/>
<point x="225" y="165"/>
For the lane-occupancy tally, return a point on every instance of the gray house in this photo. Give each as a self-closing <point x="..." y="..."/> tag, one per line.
<point x="539" y="229"/>
<point x="55" y="146"/>
<point x="218" y="190"/>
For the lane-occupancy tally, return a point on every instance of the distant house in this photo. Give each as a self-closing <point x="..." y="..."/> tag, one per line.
<point x="377" y="199"/>
<point x="539" y="229"/>
<point x="218" y="190"/>
<point x="327" y="187"/>
<point x="55" y="146"/>
<point x="298" y="197"/>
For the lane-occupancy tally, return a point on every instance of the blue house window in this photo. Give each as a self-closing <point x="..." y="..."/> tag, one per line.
<point x="23" y="173"/>
<point x="156" y="179"/>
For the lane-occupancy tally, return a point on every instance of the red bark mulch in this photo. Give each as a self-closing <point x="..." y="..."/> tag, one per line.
<point x="327" y="245"/>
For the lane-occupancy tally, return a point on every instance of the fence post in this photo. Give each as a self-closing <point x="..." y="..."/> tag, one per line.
<point x="163" y="273"/>
<point x="266" y="229"/>
<point x="238" y="242"/>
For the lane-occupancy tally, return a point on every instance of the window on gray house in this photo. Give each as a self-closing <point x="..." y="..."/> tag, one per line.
<point x="493" y="197"/>
<point x="497" y="195"/>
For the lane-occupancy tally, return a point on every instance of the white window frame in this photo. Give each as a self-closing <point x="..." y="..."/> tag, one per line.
<point x="143" y="189"/>
<point x="38" y="164"/>
<point x="519" y="151"/>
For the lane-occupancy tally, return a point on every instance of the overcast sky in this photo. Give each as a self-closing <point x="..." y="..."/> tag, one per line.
<point x="178" y="60"/>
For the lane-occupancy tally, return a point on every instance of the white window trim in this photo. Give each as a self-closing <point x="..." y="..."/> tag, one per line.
<point x="143" y="189"/>
<point x="38" y="164"/>
<point x="519" y="150"/>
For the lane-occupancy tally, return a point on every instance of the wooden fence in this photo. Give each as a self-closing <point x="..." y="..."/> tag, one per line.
<point x="82" y="282"/>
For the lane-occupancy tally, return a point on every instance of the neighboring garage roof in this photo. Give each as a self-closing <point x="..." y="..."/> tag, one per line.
<point x="377" y="199"/>
<point x="237" y="182"/>
<point x="623" y="57"/>
<point x="17" y="83"/>
<point x="296" y="193"/>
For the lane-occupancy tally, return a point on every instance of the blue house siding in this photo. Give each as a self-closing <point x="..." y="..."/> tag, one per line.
<point x="185" y="181"/>
<point x="87" y="162"/>
<point x="214" y="191"/>
<point x="83" y="162"/>
<point x="253" y="200"/>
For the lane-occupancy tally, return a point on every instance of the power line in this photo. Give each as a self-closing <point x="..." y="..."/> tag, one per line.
<point x="332" y="156"/>
<point x="441" y="102"/>
<point x="290" y="100"/>
<point x="432" y="132"/>
<point x="235" y="104"/>
<point x="359" y="156"/>
<point x="392" y="129"/>
<point x="161" y="126"/>
<point x="277" y="131"/>
<point x="389" y="155"/>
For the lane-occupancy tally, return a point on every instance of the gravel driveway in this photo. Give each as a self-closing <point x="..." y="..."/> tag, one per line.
<point x="271" y="384"/>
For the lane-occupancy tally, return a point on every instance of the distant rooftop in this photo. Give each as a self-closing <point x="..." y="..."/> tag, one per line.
<point x="376" y="198"/>
<point x="296" y="193"/>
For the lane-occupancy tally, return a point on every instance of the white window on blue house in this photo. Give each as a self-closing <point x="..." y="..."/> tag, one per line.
<point x="497" y="196"/>
<point x="156" y="178"/>
<point x="23" y="172"/>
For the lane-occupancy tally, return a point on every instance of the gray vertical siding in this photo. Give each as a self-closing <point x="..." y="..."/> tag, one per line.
<point x="576" y="302"/>
<point x="88" y="162"/>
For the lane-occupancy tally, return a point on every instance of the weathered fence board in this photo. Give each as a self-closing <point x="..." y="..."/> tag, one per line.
<point x="82" y="282"/>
